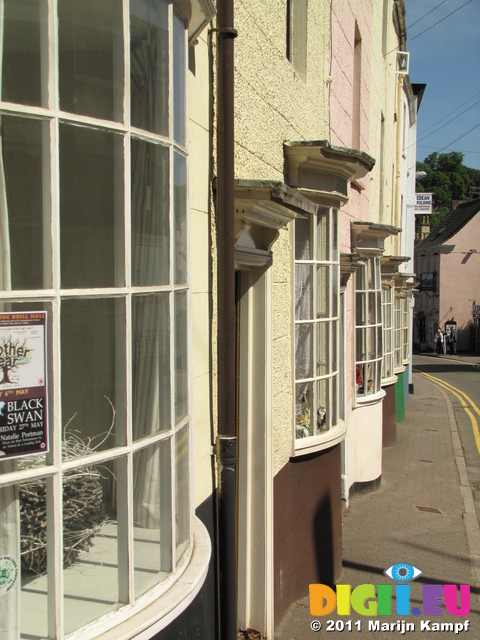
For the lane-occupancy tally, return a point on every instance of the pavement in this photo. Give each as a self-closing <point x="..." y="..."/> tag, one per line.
<point x="423" y="515"/>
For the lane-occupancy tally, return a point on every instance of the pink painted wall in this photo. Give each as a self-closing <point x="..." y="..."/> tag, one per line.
<point x="345" y="15"/>
<point x="460" y="280"/>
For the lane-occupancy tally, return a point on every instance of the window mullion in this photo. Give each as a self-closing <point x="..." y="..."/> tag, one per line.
<point x="55" y="578"/>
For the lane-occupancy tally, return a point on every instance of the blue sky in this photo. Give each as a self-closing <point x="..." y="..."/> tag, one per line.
<point x="447" y="59"/>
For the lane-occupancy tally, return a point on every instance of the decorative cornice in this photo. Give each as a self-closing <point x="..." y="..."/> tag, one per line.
<point x="370" y="236"/>
<point x="322" y="171"/>
<point x="201" y="13"/>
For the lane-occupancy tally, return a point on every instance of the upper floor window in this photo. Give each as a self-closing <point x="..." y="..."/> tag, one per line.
<point x="94" y="228"/>
<point x="297" y="11"/>
<point x="316" y="325"/>
<point x="368" y="329"/>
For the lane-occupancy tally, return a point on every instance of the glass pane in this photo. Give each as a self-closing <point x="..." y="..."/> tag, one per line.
<point x="26" y="247"/>
<point x="359" y="378"/>
<point x="93" y="374"/>
<point x="90" y="36"/>
<point x="370" y="274"/>
<point x="322" y="419"/>
<point x="91" y="208"/>
<point x="303" y="351"/>
<point x="182" y="490"/>
<point x="151" y="364"/>
<point x="181" y="356"/>
<point x="334" y="401"/>
<point x="372" y="309"/>
<point x="90" y="544"/>
<point x="150" y="214"/>
<point x="179" y="33"/>
<point x="378" y="379"/>
<point x="323" y="244"/>
<point x="360" y="308"/>
<point x="379" y="339"/>
<point x="361" y="344"/>
<point x="303" y="292"/>
<point x="302" y="239"/>
<point x="152" y="516"/>
<point x="371" y="343"/>
<point x="11" y="569"/>
<point x="378" y="302"/>
<point x="180" y="213"/>
<point x="323" y="291"/>
<point x="360" y="279"/>
<point x="149" y="65"/>
<point x="322" y="349"/>
<point x="369" y="370"/>
<point x="335" y="235"/>
<point x="335" y="286"/>
<point x="303" y="414"/>
<point x="334" y="346"/>
<point x="24" y="26"/>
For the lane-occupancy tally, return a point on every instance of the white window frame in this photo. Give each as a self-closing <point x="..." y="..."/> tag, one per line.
<point x="388" y="307"/>
<point x="399" y="368"/>
<point x="406" y="330"/>
<point x="51" y="298"/>
<point x="371" y="328"/>
<point x="297" y="29"/>
<point x="335" y="428"/>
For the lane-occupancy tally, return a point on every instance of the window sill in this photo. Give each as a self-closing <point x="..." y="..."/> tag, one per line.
<point x="386" y="382"/>
<point x="303" y="447"/>
<point x="152" y="613"/>
<point x="367" y="400"/>
<point x="399" y="370"/>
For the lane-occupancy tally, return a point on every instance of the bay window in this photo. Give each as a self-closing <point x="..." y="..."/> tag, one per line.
<point x="316" y="326"/>
<point x="94" y="232"/>
<point x="399" y="332"/>
<point x="406" y="328"/>
<point x="368" y="328"/>
<point x="388" y="332"/>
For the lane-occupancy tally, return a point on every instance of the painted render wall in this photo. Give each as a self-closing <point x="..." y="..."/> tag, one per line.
<point x="199" y="83"/>
<point x="273" y="104"/>
<point x="345" y="13"/>
<point x="459" y="280"/>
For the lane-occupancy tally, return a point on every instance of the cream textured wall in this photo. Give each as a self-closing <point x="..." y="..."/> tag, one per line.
<point x="273" y="104"/>
<point x="199" y="84"/>
<point x="383" y="106"/>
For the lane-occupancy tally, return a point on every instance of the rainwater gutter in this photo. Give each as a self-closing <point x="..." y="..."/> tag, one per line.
<point x="226" y="442"/>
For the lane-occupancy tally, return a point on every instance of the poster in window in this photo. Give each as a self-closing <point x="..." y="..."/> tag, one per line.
<point x="23" y="388"/>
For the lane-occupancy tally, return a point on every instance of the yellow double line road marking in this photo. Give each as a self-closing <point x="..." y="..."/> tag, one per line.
<point x="462" y="396"/>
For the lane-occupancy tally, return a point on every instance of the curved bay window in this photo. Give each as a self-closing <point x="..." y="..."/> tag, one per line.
<point x="399" y="312"/>
<point x="388" y="367"/>
<point x="406" y="328"/>
<point x="316" y="326"/>
<point x="368" y="329"/>
<point x="94" y="227"/>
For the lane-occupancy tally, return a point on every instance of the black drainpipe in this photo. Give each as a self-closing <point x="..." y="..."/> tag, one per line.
<point x="226" y="445"/>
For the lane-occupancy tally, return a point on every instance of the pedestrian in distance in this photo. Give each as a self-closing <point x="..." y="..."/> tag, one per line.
<point x="453" y="341"/>
<point x="439" y="342"/>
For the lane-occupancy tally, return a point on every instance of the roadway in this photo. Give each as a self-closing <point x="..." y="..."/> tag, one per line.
<point x="459" y="377"/>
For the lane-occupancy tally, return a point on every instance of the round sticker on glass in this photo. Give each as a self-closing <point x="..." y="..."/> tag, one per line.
<point x="8" y="573"/>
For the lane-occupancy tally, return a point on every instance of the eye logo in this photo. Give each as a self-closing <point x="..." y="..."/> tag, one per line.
<point x="402" y="572"/>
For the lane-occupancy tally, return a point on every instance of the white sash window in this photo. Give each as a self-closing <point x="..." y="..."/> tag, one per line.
<point x="94" y="231"/>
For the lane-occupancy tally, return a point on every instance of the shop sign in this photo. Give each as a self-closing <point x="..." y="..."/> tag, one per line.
<point x="424" y="203"/>
<point x="23" y="387"/>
